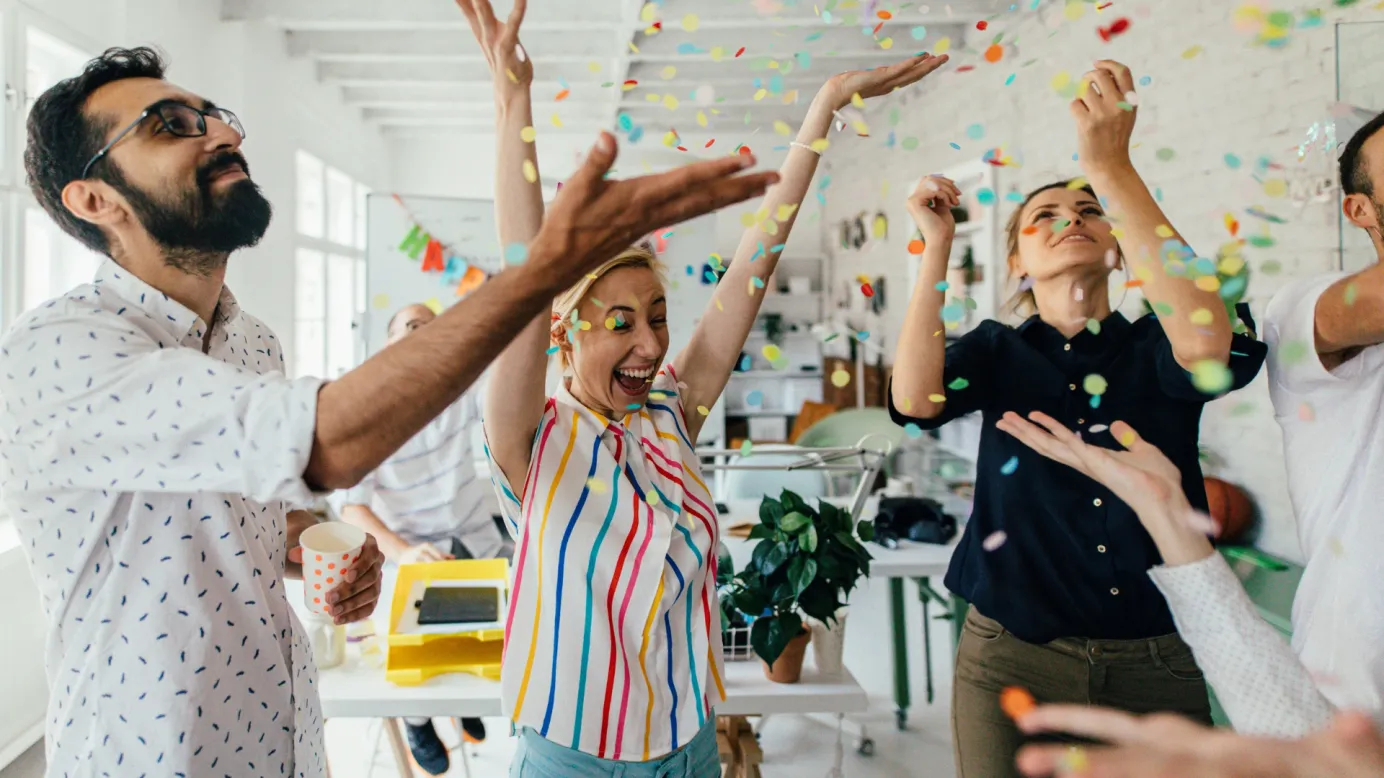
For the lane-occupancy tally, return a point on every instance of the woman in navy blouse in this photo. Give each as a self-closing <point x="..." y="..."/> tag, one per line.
<point x="1052" y="563"/>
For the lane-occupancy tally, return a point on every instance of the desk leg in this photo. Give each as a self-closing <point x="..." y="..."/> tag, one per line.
<point x="396" y="744"/>
<point x="900" y="633"/>
<point x="923" y="586"/>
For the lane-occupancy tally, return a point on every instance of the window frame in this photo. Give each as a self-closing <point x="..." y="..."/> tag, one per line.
<point x="329" y="248"/>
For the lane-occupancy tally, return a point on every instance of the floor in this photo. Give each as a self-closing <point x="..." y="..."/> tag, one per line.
<point x="793" y="746"/>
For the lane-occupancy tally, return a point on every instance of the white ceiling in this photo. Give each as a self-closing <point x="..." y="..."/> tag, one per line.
<point x="413" y="64"/>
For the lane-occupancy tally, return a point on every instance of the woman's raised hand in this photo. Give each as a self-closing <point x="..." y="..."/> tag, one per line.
<point x="841" y="88"/>
<point x="510" y="65"/>
<point x="1105" y="110"/>
<point x="930" y="206"/>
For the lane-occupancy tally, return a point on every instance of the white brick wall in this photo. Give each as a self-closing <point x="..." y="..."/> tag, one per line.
<point x="1231" y="98"/>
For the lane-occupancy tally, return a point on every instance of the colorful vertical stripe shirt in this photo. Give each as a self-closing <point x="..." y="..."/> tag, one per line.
<point x="613" y="634"/>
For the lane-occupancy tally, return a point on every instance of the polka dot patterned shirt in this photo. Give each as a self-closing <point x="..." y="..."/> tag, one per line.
<point x="150" y="483"/>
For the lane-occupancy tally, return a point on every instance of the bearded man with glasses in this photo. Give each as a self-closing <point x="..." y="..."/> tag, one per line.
<point x="152" y="448"/>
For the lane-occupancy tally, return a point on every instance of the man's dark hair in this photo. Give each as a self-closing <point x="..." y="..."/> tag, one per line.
<point x="1355" y="173"/>
<point x="62" y="137"/>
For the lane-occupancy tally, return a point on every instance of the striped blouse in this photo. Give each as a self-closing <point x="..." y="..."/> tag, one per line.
<point x="613" y="635"/>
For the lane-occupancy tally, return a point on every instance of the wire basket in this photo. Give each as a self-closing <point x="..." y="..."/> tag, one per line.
<point x="735" y="642"/>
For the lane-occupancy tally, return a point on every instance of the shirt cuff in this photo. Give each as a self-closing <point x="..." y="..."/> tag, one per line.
<point x="286" y="462"/>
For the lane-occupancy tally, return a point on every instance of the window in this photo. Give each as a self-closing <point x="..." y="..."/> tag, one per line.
<point x="330" y="270"/>
<point x="54" y="262"/>
<point x="310" y="313"/>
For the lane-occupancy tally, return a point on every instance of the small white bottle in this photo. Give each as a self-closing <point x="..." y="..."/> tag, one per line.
<point x="328" y="641"/>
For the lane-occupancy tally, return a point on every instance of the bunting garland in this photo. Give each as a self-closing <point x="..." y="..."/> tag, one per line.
<point x="452" y="267"/>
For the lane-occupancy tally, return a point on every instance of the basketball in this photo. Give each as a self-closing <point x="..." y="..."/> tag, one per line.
<point x="1230" y="508"/>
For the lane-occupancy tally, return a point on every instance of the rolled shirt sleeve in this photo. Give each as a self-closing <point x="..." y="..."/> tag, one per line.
<point x="105" y="406"/>
<point x="1261" y="683"/>
<point x="966" y="379"/>
<point x="1246" y="358"/>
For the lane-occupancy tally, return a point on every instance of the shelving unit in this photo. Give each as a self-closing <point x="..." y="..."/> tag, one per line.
<point x="981" y="235"/>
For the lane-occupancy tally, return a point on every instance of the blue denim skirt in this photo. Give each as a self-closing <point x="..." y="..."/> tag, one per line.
<point x="538" y="757"/>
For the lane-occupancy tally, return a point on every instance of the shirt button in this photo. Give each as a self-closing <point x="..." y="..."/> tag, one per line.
<point x="1095" y="651"/>
<point x="1066" y="347"/>
<point x="1080" y="421"/>
<point x="1096" y="502"/>
<point x="1071" y="387"/>
<point x="1114" y="590"/>
<point x="1101" y="548"/>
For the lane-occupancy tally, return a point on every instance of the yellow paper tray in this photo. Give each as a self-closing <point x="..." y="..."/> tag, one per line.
<point x="413" y="659"/>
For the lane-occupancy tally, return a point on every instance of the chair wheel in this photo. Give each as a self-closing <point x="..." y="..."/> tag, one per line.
<point x="866" y="747"/>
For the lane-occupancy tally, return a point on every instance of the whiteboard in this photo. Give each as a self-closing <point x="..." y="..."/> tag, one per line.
<point x="394" y="280"/>
<point x="467" y="227"/>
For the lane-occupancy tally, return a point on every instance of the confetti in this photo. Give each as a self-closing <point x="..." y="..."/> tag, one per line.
<point x="943" y="46"/>
<point x="530" y="172"/>
<point x="596" y="485"/>
<point x="1015" y="701"/>
<point x="516" y="253"/>
<point x="669" y="72"/>
<point x="985" y="196"/>
<point x="1210" y="376"/>
<point x="918" y="32"/>
<point x="1009" y="466"/>
<point x="887" y="43"/>
<point x="528" y="134"/>
<point x="937" y="398"/>
<point x="1306" y="413"/>
<point x="746" y="447"/>
<point x="1097" y="428"/>
<point x="995" y="53"/>
<point x="380" y="301"/>
<point x="702" y="409"/>
<point x="1165" y="154"/>
<point x="782" y="128"/>
<point x="557" y="120"/>
<point x="840" y="378"/>
<point x="562" y="95"/>
<point x="1095" y="384"/>
<point x="1074" y="10"/>
<point x="755" y="398"/>
<point x="1118" y="27"/>
<point x="772" y="352"/>
<point x="867" y="290"/>
<point x="883" y="14"/>
<point x="1093" y="326"/>
<point x="916" y="246"/>
<point x="975" y="132"/>
<point x="912" y="430"/>
<point x="1192" y="52"/>
<point x="981" y="25"/>
<point x="1275" y="187"/>
<point x="994" y="540"/>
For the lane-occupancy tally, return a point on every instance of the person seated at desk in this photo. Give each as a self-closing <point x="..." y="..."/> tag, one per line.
<point x="426" y="503"/>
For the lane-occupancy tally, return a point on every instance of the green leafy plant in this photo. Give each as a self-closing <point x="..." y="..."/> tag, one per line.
<point x="806" y="562"/>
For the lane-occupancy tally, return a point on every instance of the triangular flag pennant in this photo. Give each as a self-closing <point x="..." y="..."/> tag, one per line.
<point x="432" y="257"/>
<point x="456" y="270"/>
<point x="473" y="278"/>
<point x="414" y="242"/>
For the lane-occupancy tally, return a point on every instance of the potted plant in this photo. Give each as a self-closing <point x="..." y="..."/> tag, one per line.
<point x="806" y="562"/>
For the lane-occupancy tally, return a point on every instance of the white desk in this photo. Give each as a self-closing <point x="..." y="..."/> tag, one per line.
<point x="910" y="560"/>
<point x="358" y="690"/>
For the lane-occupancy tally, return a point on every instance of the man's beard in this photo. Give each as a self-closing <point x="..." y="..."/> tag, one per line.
<point x="196" y="227"/>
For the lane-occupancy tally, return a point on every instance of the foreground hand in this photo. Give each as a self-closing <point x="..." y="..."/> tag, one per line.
<point x="423" y="552"/>
<point x="354" y="598"/>
<point x="840" y="88"/>
<point x="1103" y="127"/>
<point x="1141" y="475"/>
<point x="1167" y="746"/>
<point x="510" y="65"/>
<point x="930" y="206"/>
<point x="592" y="219"/>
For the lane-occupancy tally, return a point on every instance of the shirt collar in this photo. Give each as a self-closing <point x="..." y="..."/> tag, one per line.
<point x="587" y="416"/>
<point x="1045" y="337"/>
<point x="174" y="317"/>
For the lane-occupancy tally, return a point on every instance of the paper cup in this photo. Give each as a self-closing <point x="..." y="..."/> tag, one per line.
<point x="328" y="549"/>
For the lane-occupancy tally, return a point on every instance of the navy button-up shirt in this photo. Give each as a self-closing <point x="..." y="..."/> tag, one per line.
<point x="1075" y="560"/>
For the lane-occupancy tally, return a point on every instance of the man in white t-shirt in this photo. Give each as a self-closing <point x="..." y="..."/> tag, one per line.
<point x="1326" y="378"/>
<point x="427" y="503"/>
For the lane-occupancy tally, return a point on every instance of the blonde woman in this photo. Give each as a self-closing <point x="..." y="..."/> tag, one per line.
<point x="613" y="646"/>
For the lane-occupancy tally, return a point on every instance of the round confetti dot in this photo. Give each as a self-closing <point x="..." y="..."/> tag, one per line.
<point x="1202" y="317"/>
<point x="985" y="196"/>
<point x="958" y="384"/>
<point x="1145" y="81"/>
<point x="1210" y="376"/>
<point x="380" y="301"/>
<point x="1232" y="161"/>
<point x="690" y="22"/>
<point x="746" y="448"/>
<point x="1093" y="326"/>
<point x="943" y="46"/>
<point x="916" y="246"/>
<point x="953" y="312"/>
<point x="1165" y="154"/>
<point x="516" y="253"/>
<point x="596" y="485"/>
<point x="918" y="32"/>
<point x="941" y="286"/>
<point x="1275" y="187"/>
<point x="994" y="540"/>
<point x="912" y="430"/>
<point x="703" y="410"/>
<point x="1096" y="428"/>
<point x="530" y="172"/>
<point x="772" y="353"/>
<point x="1095" y="384"/>
<point x="1015" y="701"/>
<point x="937" y="398"/>
<point x="887" y="43"/>
<point x="975" y="131"/>
<point x="994" y="53"/>
<point x="867" y="290"/>
<point x="982" y="24"/>
<point x="909" y="143"/>
<point x="840" y="378"/>
<point x="1306" y="413"/>
<point x="754" y="399"/>
<point x="528" y="134"/>
<point x="1010" y="466"/>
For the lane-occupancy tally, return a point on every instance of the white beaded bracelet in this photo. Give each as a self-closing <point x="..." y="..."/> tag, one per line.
<point x="805" y="146"/>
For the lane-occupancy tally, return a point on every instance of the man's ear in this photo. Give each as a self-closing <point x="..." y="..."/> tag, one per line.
<point x="1361" y="212"/>
<point x="94" y="201"/>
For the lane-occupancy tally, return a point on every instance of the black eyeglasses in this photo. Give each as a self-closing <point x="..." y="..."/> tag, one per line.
<point x="179" y="119"/>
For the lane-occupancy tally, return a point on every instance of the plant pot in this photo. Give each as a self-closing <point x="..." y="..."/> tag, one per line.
<point x="829" y="644"/>
<point x="1230" y="507"/>
<point x="788" y="668"/>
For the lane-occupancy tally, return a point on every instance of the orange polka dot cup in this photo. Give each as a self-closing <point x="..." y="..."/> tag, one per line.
<point x="328" y="549"/>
